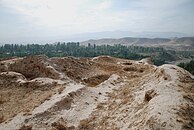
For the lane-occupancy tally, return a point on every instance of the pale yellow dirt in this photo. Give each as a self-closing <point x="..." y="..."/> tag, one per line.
<point x="102" y="93"/>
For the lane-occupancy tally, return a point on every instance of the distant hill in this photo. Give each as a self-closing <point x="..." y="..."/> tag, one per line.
<point x="184" y="43"/>
<point x="119" y="34"/>
<point x="91" y="35"/>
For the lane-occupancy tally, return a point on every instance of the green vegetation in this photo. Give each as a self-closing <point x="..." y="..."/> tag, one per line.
<point x="158" y="55"/>
<point x="188" y="66"/>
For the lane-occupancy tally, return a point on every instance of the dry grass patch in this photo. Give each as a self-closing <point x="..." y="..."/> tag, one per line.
<point x="85" y="125"/>
<point x="186" y="114"/>
<point x="21" y="99"/>
<point x="186" y="111"/>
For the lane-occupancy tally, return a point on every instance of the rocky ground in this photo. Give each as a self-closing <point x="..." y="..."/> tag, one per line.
<point x="101" y="93"/>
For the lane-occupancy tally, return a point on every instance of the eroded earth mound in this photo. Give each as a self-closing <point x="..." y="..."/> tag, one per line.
<point x="101" y="93"/>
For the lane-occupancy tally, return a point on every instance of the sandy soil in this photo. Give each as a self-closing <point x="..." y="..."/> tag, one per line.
<point x="94" y="93"/>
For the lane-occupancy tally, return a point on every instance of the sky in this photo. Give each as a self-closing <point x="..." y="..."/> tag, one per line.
<point x="36" y="19"/>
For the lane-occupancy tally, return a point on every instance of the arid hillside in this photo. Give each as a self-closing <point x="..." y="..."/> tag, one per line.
<point x="183" y="43"/>
<point x="100" y="93"/>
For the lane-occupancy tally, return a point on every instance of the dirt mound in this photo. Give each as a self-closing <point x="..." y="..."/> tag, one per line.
<point x="105" y="59"/>
<point x="75" y="68"/>
<point x="38" y="92"/>
<point x="34" y="66"/>
<point x="23" y="86"/>
<point x="147" y="60"/>
<point x="24" y="96"/>
<point x="10" y="78"/>
<point x="152" y="105"/>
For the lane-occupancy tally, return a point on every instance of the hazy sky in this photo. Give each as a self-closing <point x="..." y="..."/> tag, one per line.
<point x="43" y="18"/>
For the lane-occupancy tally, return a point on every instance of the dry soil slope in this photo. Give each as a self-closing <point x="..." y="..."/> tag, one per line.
<point x="38" y="92"/>
<point x="184" y="43"/>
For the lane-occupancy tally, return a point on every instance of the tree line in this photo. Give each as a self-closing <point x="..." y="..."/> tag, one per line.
<point x="158" y="55"/>
<point x="189" y="66"/>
